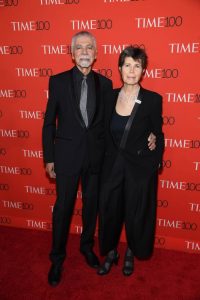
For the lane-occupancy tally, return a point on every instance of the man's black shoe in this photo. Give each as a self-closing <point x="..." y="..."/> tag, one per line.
<point x="91" y="259"/>
<point x="54" y="275"/>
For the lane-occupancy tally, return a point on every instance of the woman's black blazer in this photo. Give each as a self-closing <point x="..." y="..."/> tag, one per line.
<point x="148" y="119"/>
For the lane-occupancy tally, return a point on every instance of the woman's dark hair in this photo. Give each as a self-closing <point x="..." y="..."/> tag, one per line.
<point x="136" y="53"/>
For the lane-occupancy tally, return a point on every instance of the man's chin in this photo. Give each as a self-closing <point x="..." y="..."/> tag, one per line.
<point x="84" y="64"/>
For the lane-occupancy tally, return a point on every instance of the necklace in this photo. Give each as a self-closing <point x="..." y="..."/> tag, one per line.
<point x="128" y="99"/>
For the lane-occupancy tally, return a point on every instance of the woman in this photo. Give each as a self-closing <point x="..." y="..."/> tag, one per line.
<point x="130" y="170"/>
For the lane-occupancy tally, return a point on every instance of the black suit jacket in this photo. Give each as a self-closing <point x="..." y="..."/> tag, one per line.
<point x="148" y="119"/>
<point x="66" y="140"/>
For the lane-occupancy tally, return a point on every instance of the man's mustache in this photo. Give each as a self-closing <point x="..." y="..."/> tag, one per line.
<point x="85" y="57"/>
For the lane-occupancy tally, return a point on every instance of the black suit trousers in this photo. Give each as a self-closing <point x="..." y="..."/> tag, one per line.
<point x="130" y="200"/>
<point x="67" y="187"/>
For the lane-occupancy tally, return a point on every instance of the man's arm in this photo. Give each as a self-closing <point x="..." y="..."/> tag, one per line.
<point x="49" y="130"/>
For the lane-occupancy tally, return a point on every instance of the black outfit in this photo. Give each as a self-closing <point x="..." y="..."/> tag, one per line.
<point x="117" y="126"/>
<point x="129" y="178"/>
<point x="76" y="151"/>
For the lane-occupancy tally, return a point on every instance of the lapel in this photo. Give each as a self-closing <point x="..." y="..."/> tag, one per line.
<point x="97" y="99"/>
<point x="113" y="103"/>
<point x="141" y="95"/>
<point x="111" y="111"/>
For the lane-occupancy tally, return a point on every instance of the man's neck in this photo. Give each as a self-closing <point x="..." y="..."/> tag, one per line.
<point x="85" y="71"/>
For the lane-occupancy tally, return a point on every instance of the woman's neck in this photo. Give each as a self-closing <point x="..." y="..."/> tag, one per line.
<point x="130" y="89"/>
<point x="128" y="94"/>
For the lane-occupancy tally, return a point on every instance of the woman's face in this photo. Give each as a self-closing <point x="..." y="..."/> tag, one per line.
<point x="131" y="71"/>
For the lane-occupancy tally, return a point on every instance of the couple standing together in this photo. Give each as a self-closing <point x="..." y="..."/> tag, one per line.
<point x="104" y="138"/>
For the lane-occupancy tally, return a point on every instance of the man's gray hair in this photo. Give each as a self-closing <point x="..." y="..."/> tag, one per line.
<point x="83" y="33"/>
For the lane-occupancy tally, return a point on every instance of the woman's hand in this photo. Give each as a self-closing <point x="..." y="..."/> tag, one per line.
<point x="50" y="170"/>
<point x="152" y="141"/>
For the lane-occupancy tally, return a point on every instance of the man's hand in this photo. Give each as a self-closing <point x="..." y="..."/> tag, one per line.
<point x="152" y="141"/>
<point x="50" y="170"/>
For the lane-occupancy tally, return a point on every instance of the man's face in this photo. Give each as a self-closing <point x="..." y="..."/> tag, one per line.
<point x="84" y="52"/>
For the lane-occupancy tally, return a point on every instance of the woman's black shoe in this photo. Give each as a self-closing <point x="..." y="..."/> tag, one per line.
<point x="111" y="258"/>
<point x="128" y="267"/>
<point x="54" y="275"/>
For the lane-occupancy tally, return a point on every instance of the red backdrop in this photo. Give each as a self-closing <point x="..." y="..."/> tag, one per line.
<point x="35" y="43"/>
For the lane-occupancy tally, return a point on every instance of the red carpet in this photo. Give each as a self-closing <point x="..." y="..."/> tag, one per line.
<point x="24" y="266"/>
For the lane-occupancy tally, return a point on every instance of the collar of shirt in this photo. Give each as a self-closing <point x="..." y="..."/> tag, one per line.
<point x="78" y="75"/>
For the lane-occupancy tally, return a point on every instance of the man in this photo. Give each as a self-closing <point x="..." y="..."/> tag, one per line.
<point x="73" y="145"/>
